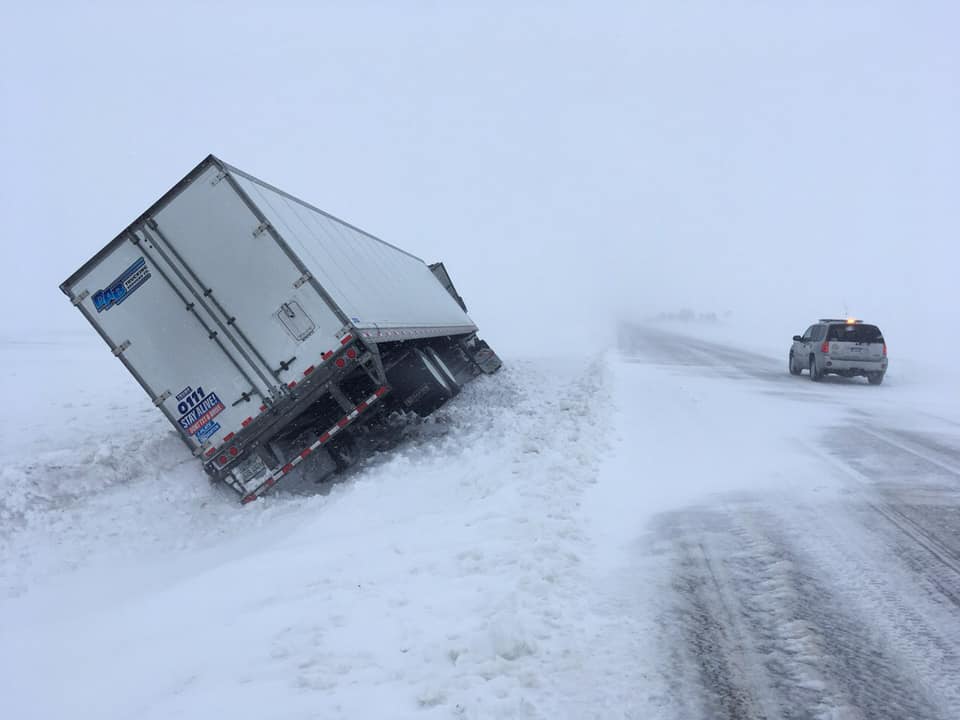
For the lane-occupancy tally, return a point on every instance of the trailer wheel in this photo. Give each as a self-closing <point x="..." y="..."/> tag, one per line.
<point x="444" y="370"/>
<point x="438" y="376"/>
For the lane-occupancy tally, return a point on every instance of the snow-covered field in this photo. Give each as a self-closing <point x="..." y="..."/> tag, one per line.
<point x="445" y="578"/>
<point x="536" y="550"/>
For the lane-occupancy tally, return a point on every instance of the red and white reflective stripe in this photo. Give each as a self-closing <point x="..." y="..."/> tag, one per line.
<point x="341" y="362"/>
<point x="324" y="438"/>
<point x="210" y="452"/>
<point x="323" y="358"/>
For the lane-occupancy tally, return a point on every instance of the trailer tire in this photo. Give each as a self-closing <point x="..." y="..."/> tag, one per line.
<point x="437" y="374"/>
<point x="444" y="370"/>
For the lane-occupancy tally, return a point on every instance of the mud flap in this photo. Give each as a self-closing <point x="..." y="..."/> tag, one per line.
<point x="484" y="357"/>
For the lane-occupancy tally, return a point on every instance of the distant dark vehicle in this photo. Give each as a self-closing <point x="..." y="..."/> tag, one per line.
<point x="268" y="331"/>
<point x="849" y="348"/>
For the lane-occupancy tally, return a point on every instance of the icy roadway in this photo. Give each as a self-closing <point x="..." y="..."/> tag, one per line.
<point x="671" y="529"/>
<point x="823" y="580"/>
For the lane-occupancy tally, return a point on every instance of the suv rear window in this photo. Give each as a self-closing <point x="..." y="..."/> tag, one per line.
<point x="855" y="333"/>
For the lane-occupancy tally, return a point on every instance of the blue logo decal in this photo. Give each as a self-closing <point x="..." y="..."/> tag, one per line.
<point x="121" y="288"/>
<point x="207" y="430"/>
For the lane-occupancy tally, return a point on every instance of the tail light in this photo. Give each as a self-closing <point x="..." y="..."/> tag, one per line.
<point x="351" y="353"/>
<point x="825" y="348"/>
<point x="884" y="349"/>
<point x="341" y="362"/>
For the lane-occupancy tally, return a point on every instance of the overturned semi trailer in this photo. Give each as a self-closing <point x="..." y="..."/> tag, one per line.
<point x="267" y="330"/>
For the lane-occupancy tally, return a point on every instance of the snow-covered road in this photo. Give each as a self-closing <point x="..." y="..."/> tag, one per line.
<point x="824" y="580"/>
<point x="678" y="529"/>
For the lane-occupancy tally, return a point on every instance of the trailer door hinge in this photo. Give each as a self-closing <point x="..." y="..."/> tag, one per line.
<point x="152" y="224"/>
<point x="261" y="229"/>
<point x="161" y="397"/>
<point x="243" y="398"/>
<point x="219" y="176"/>
<point x="302" y="279"/>
<point x="118" y="350"/>
<point x="80" y="298"/>
<point x="285" y="365"/>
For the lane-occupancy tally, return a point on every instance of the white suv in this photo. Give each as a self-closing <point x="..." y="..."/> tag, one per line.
<point x="840" y="347"/>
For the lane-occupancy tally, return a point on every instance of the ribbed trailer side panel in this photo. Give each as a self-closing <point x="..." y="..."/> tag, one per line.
<point x="378" y="286"/>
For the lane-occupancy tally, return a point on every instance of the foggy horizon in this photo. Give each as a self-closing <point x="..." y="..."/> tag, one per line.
<point x="572" y="165"/>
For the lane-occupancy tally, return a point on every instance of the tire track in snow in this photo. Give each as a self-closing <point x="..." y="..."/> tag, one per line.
<point x="718" y="643"/>
<point x="944" y="554"/>
<point x="771" y="636"/>
<point x="911" y="521"/>
<point x="928" y="451"/>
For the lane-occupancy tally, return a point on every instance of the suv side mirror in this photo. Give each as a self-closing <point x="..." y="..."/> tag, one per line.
<point x="797" y="338"/>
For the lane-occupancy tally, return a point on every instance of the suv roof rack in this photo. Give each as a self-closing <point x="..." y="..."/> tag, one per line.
<point x="838" y="320"/>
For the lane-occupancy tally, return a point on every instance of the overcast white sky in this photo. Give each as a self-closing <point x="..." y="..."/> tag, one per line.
<point x="781" y="159"/>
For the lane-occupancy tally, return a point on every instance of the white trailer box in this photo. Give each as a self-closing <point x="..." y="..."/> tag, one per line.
<point x="227" y="296"/>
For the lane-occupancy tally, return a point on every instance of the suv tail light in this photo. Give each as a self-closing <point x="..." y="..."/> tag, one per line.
<point x="884" y="349"/>
<point x="825" y="348"/>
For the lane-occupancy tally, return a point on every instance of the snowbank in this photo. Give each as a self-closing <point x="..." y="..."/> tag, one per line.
<point x="446" y="578"/>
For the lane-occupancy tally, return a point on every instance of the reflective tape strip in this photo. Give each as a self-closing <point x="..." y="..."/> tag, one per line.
<point x="346" y="339"/>
<point x="246" y="422"/>
<point x="309" y="370"/>
<point x="324" y="438"/>
<point x="327" y="355"/>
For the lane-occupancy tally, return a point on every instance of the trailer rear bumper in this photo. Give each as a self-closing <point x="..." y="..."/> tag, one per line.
<point x="266" y="479"/>
<point x="219" y="461"/>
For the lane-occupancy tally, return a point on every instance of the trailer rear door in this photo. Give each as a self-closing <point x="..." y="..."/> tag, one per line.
<point x="172" y="350"/>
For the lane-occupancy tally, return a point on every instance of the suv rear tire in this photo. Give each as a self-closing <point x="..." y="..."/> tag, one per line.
<point x="875" y="378"/>
<point x="794" y="370"/>
<point x="814" y="373"/>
